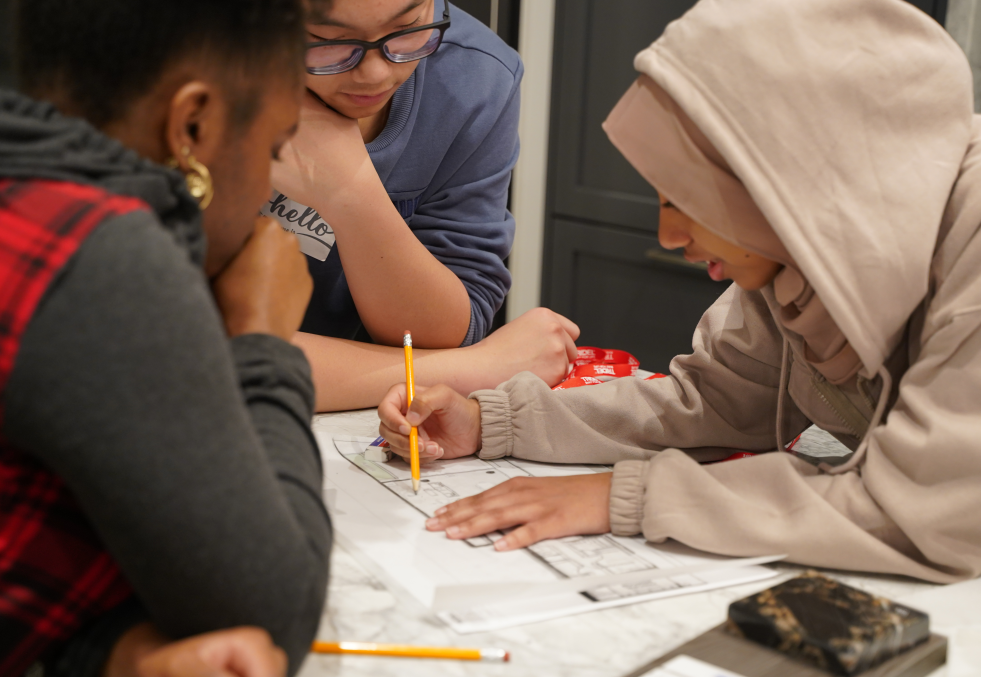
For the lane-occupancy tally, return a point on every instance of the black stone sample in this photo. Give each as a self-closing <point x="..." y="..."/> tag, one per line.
<point x="827" y="624"/>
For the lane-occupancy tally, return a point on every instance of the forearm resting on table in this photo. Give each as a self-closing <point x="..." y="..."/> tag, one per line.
<point x="396" y="283"/>
<point x="353" y="375"/>
<point x="134" y="645"/>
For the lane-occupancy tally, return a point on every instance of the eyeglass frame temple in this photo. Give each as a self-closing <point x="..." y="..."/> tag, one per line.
<point x="442" y="25"/>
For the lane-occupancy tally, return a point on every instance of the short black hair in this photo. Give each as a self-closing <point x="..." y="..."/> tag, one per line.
<point x="105" y="54"/>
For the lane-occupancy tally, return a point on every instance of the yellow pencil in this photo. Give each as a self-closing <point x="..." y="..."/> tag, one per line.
<point x="406" y="651"/>
<point x="410" y="392"/>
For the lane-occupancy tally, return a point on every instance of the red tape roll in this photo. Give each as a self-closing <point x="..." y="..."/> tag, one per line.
<point x="577" y="383"/>
<point x="589" y="355"/>
<point x="609" y="371"/>
<point x="599" y="365"/>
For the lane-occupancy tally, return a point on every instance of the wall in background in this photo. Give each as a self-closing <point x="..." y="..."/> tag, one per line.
<point x="964" y="23"/>
<point x="529" y="183"/>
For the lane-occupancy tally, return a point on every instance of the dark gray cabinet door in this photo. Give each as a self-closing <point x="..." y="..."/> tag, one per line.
<point x="595" y="44"/>
<point x="625" y="292"/>
<point x="935" y="8"/>
<point x="603" y="267"/>
<point x="6" y="45"/>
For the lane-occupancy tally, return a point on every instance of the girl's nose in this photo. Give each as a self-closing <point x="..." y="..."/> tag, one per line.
<point x="671" y="231"/>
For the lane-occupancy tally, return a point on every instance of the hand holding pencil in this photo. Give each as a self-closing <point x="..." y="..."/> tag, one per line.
<point x="448" y="424"/>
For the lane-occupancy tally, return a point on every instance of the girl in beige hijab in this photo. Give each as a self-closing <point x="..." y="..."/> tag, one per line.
<point x="824" y="156"/>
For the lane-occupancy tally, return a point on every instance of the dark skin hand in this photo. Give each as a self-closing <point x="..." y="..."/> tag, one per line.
<point x="540" y="507"/>
<point x="266" y="287"/>
<point x="239" y="652"/>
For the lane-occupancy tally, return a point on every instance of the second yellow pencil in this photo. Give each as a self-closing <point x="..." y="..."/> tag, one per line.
<point x="400" y="650"/>
<point x="410" y="393"/>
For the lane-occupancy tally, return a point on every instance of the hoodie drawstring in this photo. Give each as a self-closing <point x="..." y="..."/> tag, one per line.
<point x="782" y="393"/>
<point x="880" y="409"/>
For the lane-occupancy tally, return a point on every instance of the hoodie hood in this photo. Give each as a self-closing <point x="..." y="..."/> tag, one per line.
<point x="36" y="142"/>
<point x="847" y="121"/>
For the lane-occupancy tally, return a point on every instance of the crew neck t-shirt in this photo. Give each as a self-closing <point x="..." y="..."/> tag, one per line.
<point x="445" y="158"/>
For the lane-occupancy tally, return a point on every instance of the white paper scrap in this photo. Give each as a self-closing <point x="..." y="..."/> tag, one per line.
<point x="453" y="597"/>
<point x="686" y="666"/>
<point x="953" y="613"/>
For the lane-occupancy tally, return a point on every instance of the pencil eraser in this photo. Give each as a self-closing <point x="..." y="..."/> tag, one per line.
<point x="377" y="454"/>
<point x="507" y="656"/>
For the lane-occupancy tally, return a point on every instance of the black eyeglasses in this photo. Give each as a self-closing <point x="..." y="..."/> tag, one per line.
<point x="330" y="57"/>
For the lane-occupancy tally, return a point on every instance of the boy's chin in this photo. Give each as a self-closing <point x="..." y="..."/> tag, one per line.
<point x="347" y="109"/>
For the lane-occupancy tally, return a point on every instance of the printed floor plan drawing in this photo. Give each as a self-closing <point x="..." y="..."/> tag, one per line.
<point x="444" y="482"/>
<point x="603" y="555"/>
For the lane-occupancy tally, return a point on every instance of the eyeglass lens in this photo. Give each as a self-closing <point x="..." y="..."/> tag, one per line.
<point x="334" y="58"/>
<point x="328" y="59"/>
<point x="412" y="46"/>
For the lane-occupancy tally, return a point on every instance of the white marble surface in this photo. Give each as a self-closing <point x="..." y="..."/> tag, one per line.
<point x="363" y="606"/>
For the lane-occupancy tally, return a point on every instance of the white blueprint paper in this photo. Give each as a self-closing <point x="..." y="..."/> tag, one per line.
<point x="375" y="511"/>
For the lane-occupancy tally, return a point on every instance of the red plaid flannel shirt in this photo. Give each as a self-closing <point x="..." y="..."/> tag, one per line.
<point x="55" y="575"/>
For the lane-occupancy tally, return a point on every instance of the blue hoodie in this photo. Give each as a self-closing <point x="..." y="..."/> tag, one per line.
<point x="445" y="157"/>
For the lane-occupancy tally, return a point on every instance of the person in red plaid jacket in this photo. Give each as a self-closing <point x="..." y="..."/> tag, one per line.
<point x="158" y="475"/>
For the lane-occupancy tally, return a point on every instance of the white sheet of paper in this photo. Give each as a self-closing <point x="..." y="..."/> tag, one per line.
<point x="375" y="511"/>
<point x="686" y="666"/>
<point x="953" y="613"/>
<point x="600" y="587"/>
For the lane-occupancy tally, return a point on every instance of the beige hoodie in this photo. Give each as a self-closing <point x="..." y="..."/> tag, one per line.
<point x="850" y="124"/>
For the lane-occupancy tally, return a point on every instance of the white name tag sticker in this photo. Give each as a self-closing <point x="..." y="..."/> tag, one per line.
<point x="315" y="235"/>
<point x="686" y="666"/>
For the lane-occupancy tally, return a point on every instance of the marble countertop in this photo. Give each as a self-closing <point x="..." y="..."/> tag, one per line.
<point x="363" y="606"/>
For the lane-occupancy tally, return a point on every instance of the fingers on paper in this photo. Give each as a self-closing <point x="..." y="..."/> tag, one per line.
<point x="501" y="507"/>
<point x="399" y="444"/>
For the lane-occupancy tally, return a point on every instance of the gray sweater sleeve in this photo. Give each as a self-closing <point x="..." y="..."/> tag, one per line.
<point x="191" y="454"/>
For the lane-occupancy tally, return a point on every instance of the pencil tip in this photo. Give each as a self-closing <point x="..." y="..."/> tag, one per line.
<point x="415" y="485"/>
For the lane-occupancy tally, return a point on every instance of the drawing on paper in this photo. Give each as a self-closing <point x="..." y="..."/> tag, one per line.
<point x="605" y="555"/>
<point x="446" y="481"/>
<point x="583" y="556"/>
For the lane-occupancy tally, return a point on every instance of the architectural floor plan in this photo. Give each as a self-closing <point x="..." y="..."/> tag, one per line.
<point x="445" y="482"/>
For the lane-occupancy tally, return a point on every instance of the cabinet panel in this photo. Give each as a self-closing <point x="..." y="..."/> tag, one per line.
<point x="6" y="44"/>
<point x="595" y="46"/>
<point x="935" y="8"/>
<point x="625" y="292"/>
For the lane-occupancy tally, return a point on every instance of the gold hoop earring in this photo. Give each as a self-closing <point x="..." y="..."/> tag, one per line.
<point x="197" y="178"/>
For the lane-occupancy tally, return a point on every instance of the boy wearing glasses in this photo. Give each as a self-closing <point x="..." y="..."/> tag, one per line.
<point x="396" y="187"/>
